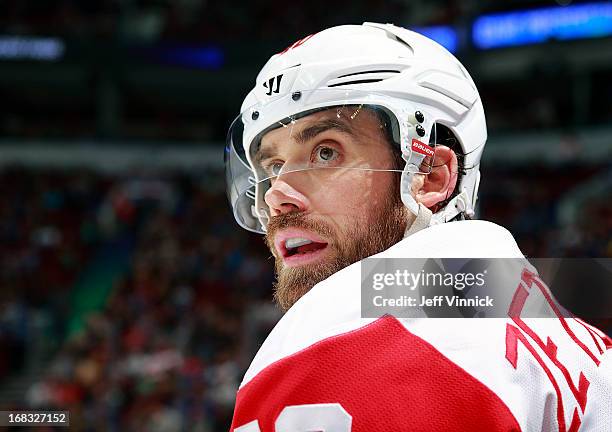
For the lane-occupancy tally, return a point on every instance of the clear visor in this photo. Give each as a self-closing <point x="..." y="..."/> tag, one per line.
<point x="319" y="147"/>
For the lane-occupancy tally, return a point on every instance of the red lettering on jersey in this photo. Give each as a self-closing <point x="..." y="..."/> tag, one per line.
<point x="550" y="349"/>
<point x="529" y="278"/>
<point x="385" y="377"/>
<point x="515" y="334"/>
<point x="605" y="340"/>
<point x="296" y="44"/>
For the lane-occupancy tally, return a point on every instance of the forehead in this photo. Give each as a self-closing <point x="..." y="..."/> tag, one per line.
<point x="354" y="122"/>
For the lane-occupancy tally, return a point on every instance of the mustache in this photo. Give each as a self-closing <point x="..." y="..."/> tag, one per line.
<point x="296" y="220"/>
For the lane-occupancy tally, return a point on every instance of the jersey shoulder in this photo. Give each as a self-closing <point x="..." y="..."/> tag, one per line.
<point x="461" y="239"/>
<point x="333" y="306"/>
<point x="501" y="373"/>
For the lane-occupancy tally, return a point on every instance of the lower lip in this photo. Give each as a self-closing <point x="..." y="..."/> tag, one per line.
<point x="302" y="259"/>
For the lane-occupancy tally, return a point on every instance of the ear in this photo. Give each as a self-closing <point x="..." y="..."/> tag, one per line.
<point x="440" y="183"/>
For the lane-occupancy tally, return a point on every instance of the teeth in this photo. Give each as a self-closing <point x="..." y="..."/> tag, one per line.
<point x="294" y="242"/>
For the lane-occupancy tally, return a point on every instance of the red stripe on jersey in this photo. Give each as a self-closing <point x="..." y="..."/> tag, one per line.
<point x="384" y="376"/>
<point x="591" y="333"/>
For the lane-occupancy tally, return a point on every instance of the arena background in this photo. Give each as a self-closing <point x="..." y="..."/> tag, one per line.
<point x="128" y="295"/>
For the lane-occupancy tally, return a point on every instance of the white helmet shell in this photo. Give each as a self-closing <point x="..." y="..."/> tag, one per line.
<point x="378" y="64"/>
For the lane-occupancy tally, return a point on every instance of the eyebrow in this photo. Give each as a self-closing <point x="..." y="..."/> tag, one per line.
<point x="306" y="135"/>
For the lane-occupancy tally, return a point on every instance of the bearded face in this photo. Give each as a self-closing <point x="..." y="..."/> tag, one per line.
<point x="339" y="210"/>
<point x="367" y="235"/>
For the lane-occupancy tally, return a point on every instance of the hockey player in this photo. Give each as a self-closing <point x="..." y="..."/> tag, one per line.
<point x="366" y="140"/>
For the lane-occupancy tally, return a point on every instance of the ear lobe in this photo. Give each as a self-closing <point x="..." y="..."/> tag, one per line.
<point x="440" y="183"/>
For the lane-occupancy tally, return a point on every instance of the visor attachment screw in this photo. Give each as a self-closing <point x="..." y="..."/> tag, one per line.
<point x="296" y="96"/>
<point x="255" y="115"/>
<point x="419" y="116"/>
<point x="420" y="130"/>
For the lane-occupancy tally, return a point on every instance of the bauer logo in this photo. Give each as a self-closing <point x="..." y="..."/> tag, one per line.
<point x="422" y="148"/>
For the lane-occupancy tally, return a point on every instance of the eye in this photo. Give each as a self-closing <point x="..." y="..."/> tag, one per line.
<point x="274" y="168"/>
<point x="325" y="154"/>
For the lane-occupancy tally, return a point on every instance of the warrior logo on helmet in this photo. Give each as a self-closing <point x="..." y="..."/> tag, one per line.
<point x="270" y="84"/>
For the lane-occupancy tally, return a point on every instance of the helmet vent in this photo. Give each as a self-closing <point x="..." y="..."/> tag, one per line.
<point x="403" y="42"/>
<point x="388" y="71"/>
<point x="363" y="81"/>
<point x="362" y="77"/>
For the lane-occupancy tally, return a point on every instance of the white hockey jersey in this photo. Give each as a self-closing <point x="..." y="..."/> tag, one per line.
<point x="324" y="368"/>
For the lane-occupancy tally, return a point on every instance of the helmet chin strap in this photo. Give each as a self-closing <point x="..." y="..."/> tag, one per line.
<point x="423" y="216"/>
<point x="456" y="206"/>
<point x="406" y="191"/>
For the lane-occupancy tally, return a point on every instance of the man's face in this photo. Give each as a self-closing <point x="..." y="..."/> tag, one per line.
<point x="338" y="210"/>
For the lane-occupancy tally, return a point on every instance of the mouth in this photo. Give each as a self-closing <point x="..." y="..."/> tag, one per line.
<point x="298" y="247"/>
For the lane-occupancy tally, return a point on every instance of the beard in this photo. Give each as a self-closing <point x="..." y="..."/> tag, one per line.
<point x="367" y="236"/>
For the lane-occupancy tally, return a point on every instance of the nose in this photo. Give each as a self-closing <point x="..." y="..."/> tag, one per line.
<point x="282" y="198"/>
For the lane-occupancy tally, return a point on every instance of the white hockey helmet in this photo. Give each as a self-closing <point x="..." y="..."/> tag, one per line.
<point x="414" y="82"/>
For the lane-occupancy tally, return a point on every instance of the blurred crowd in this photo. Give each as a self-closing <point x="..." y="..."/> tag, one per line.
<point x="527" y="200"/>
<point x="47" y="233"/>
<point x="167" y="349"/>
<point x="201" y="20"/>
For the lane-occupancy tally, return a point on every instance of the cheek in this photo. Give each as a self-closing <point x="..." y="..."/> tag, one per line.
<point x="351" y="197"/>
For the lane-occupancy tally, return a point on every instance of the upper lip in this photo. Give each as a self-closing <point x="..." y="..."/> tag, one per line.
<point x="281" y="237"/>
